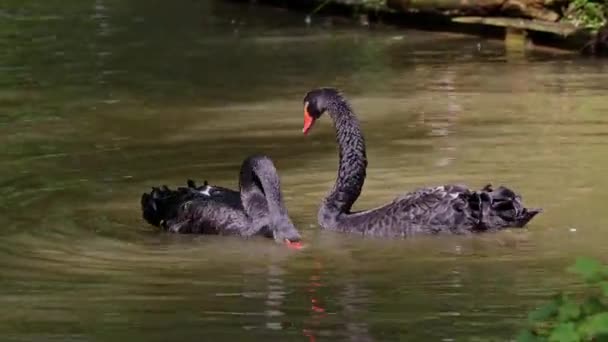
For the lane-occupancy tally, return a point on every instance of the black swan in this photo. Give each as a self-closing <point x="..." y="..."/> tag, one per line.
<point x="452" y="209"/>
<point x="257" y="209"/>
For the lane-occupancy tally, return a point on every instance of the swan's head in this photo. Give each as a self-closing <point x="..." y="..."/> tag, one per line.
<point x="286" y="232"/>
<point x="316" y="103"/>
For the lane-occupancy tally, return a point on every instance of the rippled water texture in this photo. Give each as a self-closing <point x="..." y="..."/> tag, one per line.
<point x="100" y="100"/>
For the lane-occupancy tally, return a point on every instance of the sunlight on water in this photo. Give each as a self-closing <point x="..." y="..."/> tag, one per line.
<point x="101" y="100"/>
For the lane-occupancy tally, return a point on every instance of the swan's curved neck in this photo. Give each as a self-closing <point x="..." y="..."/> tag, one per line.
<point x="272" y="190"/>
<point x="261" y="193"/>
<point x="353" y="162"/>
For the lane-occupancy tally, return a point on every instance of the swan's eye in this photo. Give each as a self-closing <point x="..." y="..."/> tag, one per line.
<point x="312" y="108"/>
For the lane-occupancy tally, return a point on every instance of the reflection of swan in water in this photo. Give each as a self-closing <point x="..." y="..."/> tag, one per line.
<point x="268" y="301"/>
<point x="350" y="299"/>
<point x="274" y="298"/>
<point x="317" y="311"/>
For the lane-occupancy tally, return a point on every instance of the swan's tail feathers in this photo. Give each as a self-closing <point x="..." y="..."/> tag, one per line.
<point x="192" y="185"/>
<point x="526" y="216"/>
<point x="502" y="208"/>
<point x="160" y="206"/>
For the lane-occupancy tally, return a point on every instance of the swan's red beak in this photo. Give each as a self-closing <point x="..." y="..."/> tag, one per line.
<point x="293" y="245"/>
<point x="308" y="120"/>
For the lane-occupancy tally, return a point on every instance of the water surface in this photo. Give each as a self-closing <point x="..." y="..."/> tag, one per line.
<point x="100" y="100"/>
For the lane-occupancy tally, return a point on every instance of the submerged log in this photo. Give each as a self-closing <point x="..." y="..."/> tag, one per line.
<point x="523" y="8"/>
<point x="562" y="29"/>
<point x="526" y="23"/>
<point x="447" y="7"/>
<point x="529" y="8"/>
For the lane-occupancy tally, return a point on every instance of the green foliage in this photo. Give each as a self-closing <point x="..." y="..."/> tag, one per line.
<point x="568" y="319"/>
<point x="587" y="13"/>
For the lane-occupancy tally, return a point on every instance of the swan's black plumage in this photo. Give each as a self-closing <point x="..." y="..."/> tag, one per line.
<point x="257" y="209"/>
<point x="443" y="209"/>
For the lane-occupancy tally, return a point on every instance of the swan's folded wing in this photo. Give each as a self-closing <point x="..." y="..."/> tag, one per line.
<point x="161" y="206"/>
<point x="457" y="209"/>
<point x="436" y="209"/>
<point x="429" y="197"/>
<point x="208" y="216"/>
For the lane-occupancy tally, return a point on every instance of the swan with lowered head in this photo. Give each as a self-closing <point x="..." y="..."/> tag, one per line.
<point x="452" y="209"/>
<point x="257" y="209"/>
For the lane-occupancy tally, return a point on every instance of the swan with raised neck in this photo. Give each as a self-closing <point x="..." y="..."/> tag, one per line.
<point x="448" y="208"/>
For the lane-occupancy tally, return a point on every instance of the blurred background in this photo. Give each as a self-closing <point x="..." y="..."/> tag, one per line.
<point x="102" y="99"/>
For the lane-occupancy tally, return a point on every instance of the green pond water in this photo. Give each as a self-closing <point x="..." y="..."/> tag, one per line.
<point x="100" y="100"/>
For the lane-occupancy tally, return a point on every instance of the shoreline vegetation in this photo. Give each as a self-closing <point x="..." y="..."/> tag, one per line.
<point x="568" y="317"/>
<point x="579" y="26"/>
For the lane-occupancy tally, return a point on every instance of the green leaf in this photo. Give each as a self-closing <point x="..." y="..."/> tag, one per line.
<point x="546" y="311"/>
<point x="595" y="325"/>
<point x="604" y="286"/>
<point x="589" y="269"/>
<point x="527" y="336"/>
<point x="602" y="338"/>
<point x="566" y="319"/>
<point x="592" y="305"/>
<point x="569" y="311"/>
<point x="565" y="332"/>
